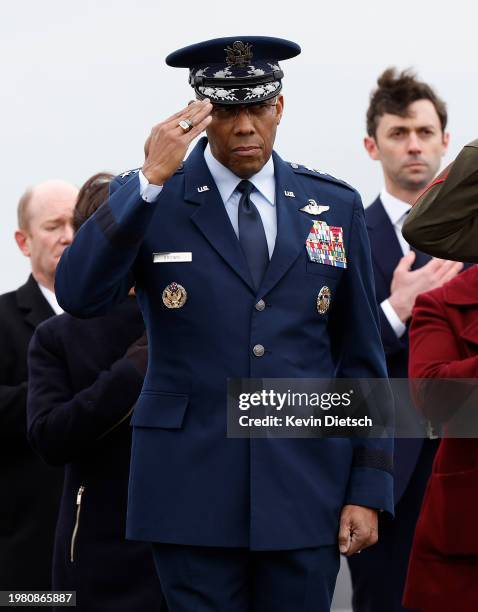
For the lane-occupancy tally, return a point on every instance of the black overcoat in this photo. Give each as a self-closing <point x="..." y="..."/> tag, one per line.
<point x="82" y="390"/>
<point x="30" y="489"/>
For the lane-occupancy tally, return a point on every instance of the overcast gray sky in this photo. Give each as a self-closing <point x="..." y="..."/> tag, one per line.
<point x="83" y="82"/>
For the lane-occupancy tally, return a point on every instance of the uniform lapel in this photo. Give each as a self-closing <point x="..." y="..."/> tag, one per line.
<point x="293" y="227"/>
<point x="211" y="217"/>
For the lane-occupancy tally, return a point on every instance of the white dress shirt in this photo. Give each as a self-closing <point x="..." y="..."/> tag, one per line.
<point x="51" y="299"/>
<point x="147" y="190"/>
<point x="397" y="211"/>
<point x="263" y="195"/>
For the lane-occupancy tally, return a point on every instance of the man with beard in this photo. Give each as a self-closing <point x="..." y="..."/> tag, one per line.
<point x="406" y="124"/>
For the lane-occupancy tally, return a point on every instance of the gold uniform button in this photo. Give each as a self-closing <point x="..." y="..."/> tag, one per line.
<point x="258" y="350"/>
<point x="260" y="305"/>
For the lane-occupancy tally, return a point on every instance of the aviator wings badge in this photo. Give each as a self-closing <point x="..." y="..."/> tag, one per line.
<point x="313" y="208"/>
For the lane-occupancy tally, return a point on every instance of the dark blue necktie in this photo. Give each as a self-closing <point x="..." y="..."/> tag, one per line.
<point x="252" y="236"/>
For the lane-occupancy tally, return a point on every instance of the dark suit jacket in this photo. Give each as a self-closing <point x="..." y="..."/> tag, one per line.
<point x="82" y="389"/>
<point x="444" y="344"/>
<point x="386" y="253"/>
<point x="30" y="489"/>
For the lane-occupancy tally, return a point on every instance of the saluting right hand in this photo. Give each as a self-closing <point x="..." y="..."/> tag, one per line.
<point x="167" y="144"/>
<point x="407" y="284"/>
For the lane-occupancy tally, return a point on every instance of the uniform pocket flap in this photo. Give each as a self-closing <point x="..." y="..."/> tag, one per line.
<point x="164" y="410"/>
<point x="322" y="269"/>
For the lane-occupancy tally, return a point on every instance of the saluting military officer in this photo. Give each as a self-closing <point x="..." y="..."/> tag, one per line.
<point x="244" y="266"/>
<point x="444" y="220"/>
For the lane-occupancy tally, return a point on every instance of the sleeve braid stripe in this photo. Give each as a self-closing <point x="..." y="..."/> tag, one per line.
<point x="373" y="458"/>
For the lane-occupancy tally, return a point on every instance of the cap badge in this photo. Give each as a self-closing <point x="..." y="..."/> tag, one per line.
<point x="174" y="296"/>
<point x="323" y="300"/>
<point x="240" y="54"/>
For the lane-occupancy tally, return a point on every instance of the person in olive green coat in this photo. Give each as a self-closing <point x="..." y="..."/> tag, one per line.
<point x="444" y="220"/>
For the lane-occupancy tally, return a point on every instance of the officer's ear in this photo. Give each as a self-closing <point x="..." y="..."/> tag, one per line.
<point x="371" y="147"/>
<point x="279" y="108"/>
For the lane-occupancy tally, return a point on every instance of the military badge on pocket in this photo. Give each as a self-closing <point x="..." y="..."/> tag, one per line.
<point x="323" y="300"/>
<point x="325" y="245"/>
<point x="174" y="296"/>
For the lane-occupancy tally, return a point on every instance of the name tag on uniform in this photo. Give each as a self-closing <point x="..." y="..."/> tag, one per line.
<point x="325" y="245"/>
<point x="168" y="257"/>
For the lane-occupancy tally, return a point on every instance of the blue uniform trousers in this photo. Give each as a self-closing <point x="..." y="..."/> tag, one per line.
<point x="207" y="579"/>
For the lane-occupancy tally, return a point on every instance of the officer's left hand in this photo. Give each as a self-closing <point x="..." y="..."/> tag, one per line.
<point x="358" y="529"/>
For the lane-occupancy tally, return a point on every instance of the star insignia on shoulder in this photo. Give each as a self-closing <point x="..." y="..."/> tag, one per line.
<point x="128" y="172"/>
<point x="297" y="166"/>
<point x="301" y="169"/>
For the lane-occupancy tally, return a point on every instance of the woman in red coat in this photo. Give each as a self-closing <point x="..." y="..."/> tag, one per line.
<point x="443" y="568"/>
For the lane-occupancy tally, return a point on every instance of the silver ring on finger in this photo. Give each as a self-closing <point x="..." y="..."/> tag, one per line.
<point x="186" y="125"/>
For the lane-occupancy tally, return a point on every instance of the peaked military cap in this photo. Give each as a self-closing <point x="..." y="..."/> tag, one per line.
<point x="236" y="69"/>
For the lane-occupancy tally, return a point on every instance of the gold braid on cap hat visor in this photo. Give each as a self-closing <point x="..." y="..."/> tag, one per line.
<point x="186" y="125"/>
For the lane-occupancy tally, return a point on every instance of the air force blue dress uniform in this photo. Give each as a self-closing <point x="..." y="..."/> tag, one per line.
<point x="190" y="484"/>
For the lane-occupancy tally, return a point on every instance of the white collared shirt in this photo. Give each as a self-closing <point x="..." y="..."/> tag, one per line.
<point x="263" y="195"/>
<point x="397" y="211"/>
<point x="50" y="297"/>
